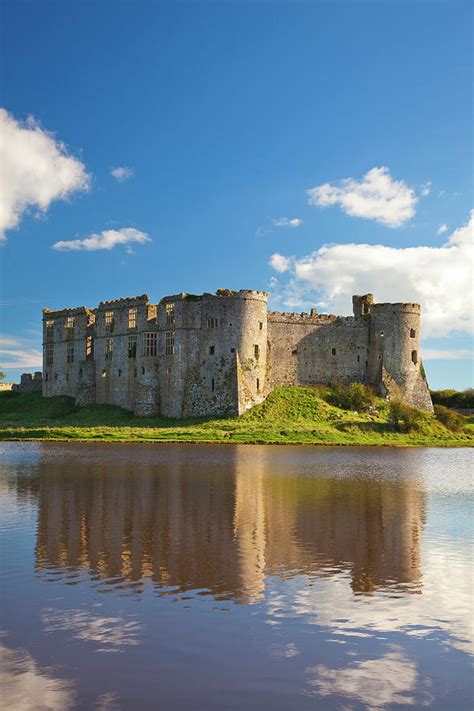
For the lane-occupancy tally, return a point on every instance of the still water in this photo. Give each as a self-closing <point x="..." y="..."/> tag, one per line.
<point x="235" y="577"/>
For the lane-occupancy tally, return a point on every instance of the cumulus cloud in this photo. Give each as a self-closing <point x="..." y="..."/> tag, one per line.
<point x="107" y="239"/>
<point x="442" y="229"/>
<point x="280" y="263"/>
<point x="293" y="222"/>
<point x="439" y="278"/>
<point x="36" y="170"/>
<point x="376" y="197"/>
<point x="122" y="173"/>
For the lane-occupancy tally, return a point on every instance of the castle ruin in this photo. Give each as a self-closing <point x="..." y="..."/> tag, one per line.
<point x="220" y="354"/>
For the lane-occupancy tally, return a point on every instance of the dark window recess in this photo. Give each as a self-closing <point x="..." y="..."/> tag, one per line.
<point x="132" y="346"/>
<point x="295" y="352"/>
<point x="412" y="333"/>
<point x="212" y="350"/>
<point x="232" y="350"/>
<point x="381" y="333"/>
<point x="46" y="377"/>
<point x="358" y="358"/>
<point x="261" y="325"/>
<point x="258" y="383"/>
<point x="414" y="357"/>
<point x="256" y="350"/>
<point x="119" y="372"/>
<point x="80" y="372"/>
<point x="213" y="385"/>
<point x="333" y="351"/>
<point x="143" y="370"/>
<point x="366" y="363"/>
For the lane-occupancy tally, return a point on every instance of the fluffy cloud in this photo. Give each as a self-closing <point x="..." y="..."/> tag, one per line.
<point x="280" y="263"/>
<point x="112" y="634"/>
<point x="439" y="278"/>
<point x="442" y="229"/>
<point x="107" y="239"/>
<point x="122" y="173"/>
<point x="36" y="170"/>
<point x="294" y="222"/>
<point x="425" y="189"/>
<point x="375" y="197"/>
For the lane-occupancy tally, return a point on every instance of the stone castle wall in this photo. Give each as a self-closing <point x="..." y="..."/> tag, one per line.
<point x="222" y="353"/>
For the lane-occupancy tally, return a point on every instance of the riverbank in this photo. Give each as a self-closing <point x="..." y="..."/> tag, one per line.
<point x="290" y="415"/>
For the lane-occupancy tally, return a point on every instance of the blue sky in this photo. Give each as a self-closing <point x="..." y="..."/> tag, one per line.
<point x="227" y="114"/>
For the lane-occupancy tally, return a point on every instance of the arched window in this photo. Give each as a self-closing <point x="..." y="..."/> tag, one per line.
<point x="414" y="357"/>
<point x="412" y="333"/>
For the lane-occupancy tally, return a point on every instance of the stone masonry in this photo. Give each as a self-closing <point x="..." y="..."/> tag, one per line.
<point x="222" y="353"/>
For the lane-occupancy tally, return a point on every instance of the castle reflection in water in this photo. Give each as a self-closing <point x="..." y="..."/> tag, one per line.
<point x="223" y="522"/>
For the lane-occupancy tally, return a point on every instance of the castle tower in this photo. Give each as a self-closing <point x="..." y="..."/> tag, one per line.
<point x="394" y="354"/>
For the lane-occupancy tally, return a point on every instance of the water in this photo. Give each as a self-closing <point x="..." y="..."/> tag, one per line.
<point x="235" y="577"/>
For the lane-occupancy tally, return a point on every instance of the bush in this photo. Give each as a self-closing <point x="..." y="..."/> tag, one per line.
<point x="355" y="396"/>
<point x="403" y="417"/>
<point x="454" y="398"/>
<point x="450" y="419"/>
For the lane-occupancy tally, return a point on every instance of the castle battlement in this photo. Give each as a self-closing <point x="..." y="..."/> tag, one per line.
<point x="216" y="354"/>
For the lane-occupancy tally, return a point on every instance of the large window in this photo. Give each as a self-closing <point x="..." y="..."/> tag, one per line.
<point x="169" y="314"/>
<point x="132" y="346"/>
<point x="149" y="344"/>
<point x="49" y="350"/>
<point x="109" y="321"/>
<point x="70" y="353"/>
<point x="132" y="318"/>
<point x="49" y="329"/>
<point x="70" y="322"/>
<point x="89" y="347"/>
<point x="169" y="343"/>
<point x="212" y="322"/>
<point x="109" y="347"/>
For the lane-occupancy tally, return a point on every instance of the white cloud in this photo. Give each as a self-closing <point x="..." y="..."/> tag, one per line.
<point x="293" y="222"/>
<point x="107" y="239"/>
<point x="375" y="197"/>
<point x="439" y="278"/>
<point x="442" y="229"/>
<point x="122" y="173"/>
<point x="425" y="188"/>
<point x="15" y="353"/>
<point x="36" y="170"/>
<point x="280" y="263"/>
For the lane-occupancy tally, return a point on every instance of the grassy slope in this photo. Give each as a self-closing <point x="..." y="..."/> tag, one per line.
<point x="289" y="415"/>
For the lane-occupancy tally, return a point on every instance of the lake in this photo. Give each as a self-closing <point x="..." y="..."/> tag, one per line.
<point x="235" y="577"/>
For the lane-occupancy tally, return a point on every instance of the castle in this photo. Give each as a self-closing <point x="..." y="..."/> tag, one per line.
<point x="220" y="354"/>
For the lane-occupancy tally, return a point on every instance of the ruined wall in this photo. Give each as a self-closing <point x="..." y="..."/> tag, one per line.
<point x="309" y="349"/>
<point x="219" y="354"/>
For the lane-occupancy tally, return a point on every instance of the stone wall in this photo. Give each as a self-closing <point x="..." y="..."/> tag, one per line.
<point x="219" y="354"/>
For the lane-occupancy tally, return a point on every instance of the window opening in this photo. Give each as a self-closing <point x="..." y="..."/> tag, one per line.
<point x="169" y="343"/>
<point x="169" y="308"/>
<point x="149" y="344"/>
<point x="132" y="317"/>
<point x="414" y="357"/>
<point x="132" y="346"/>
<point x="109" y="347"/>
<point x="70" y="353"/>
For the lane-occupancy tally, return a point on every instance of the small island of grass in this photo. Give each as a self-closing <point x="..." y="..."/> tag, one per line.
<point x="290" y="415"/>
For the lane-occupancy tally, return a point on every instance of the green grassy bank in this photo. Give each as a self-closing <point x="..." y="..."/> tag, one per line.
<point x="290" y="415"/>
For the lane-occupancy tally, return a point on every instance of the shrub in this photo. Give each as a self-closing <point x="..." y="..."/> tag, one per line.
<point x="450" y="419"/>
<point x="355" y="396"/>
<point x="454" y="398"/>
<point x="403" y="417"/>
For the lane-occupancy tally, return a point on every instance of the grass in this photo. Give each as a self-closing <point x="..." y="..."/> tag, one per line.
<point x="290" y="415"/>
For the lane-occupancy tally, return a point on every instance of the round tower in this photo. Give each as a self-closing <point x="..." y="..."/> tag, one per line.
<point x="394" y="353"/>
<point x="246" y="316"/>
